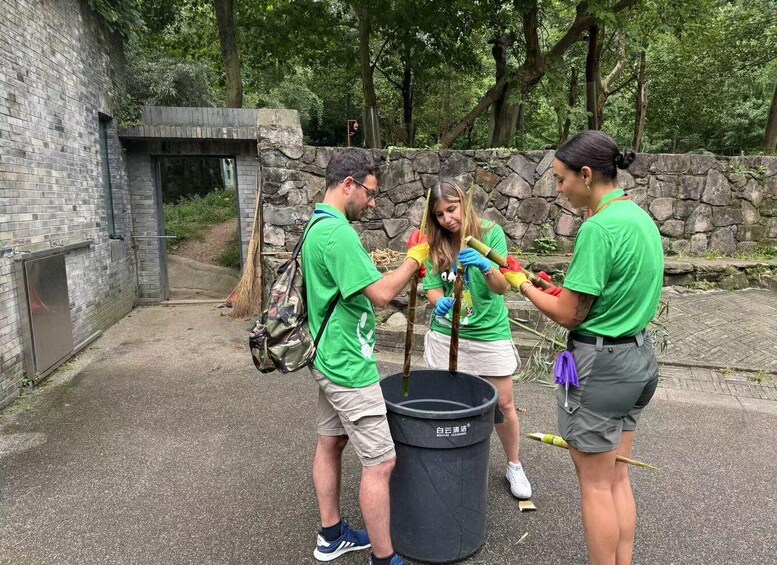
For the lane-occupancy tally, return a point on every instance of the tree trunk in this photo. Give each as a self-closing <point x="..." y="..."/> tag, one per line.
<point x="641" y="106"/>
<point x="505" y="116"/>
<point x="371" y="120"/>
<point x="445" y="122"/>
<point x="606" y="86"/>
<point x="407" y="98"/>
<point x="225" y="20"/>
<point x="533" y="68"/>
<point x="592" y="76"/>
<point x="572" y="103"/>
<point x="770" y="136"/>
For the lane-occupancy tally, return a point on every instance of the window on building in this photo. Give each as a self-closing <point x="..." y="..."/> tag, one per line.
<point x="105" y="123"/>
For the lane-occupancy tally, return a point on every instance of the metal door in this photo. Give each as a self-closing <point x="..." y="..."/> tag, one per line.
<point x="49" y="305"/>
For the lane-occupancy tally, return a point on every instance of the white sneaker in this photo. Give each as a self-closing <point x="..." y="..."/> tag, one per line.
<point x="519" y="484"/>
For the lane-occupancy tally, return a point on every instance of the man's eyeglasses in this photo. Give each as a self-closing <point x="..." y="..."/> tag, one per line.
<point x="370" y="193"/>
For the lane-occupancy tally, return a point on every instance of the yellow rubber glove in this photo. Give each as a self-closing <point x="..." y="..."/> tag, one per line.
<point x="419" y="253"/>
<point x="515" y="279"/>
<point x="514" y="273"/>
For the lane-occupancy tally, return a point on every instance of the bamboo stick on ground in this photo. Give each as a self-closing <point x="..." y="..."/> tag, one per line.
<point x="535" y="332"/>
<point x="551" y="439"/>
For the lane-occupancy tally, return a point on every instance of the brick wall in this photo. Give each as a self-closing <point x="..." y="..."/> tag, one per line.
<point x="59" y="66"/>
<point x="140" y="156"/>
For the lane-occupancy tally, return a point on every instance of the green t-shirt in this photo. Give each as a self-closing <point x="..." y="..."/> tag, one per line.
<point x="334" y="262"/>
<point x="619" y="258"/>
<point x="483" y="313"/>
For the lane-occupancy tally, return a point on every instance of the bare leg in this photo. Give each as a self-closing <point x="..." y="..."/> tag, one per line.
<point x="327" y="466"/>
<point x="375" y="505"/>
<point x="625" y="507"/>
<point x="596" y="472"/>
<point x="509" y="431"/>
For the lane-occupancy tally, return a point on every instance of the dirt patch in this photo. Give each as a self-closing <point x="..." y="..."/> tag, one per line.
<point x="215" y="242"/>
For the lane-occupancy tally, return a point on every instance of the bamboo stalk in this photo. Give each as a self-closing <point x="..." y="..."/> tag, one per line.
<point x="489" y="253"/>
<point x="458" y="290"/>
<point x="412" y="299"/>
<point x="409" y="334"/>
<point x="453" y="354"/>
<point x="551" y="439"/>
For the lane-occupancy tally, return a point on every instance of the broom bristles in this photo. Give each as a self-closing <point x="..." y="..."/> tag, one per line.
<point x="245" y="292"/>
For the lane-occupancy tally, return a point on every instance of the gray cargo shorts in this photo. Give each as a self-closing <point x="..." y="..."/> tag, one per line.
<point x="359" y="413"/>
<point x="617" y="380"/>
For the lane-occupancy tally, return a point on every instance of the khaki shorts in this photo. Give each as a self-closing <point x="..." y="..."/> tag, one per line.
<point x="481" y="358"/>
<point x="359" y="413"/>
<point x="616" y="383"/>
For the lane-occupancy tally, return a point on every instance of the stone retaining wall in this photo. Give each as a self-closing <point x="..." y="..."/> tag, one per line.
<point x="701" y="203"/>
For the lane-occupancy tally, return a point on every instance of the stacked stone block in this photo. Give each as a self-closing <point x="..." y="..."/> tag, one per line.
<point x="700" y="203"/>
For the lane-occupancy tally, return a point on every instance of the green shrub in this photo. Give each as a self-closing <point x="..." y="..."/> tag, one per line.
<point x="231" y="257"/>
<point x="545" y="245"/>
<point x="188" y="218"/>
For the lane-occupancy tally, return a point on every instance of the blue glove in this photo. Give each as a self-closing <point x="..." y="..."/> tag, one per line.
<point x="442" y="306"/>
<point x="471" y="258"/>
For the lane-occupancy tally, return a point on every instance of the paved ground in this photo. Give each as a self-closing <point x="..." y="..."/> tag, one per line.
<point x="723" y="329"/>
<point x="162" y="444"/>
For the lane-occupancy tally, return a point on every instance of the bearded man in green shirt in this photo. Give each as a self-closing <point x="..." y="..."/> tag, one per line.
<point x="338" y="271"/>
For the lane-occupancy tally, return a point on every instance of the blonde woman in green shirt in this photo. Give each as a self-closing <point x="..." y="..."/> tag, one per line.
<point x="485" y="341"/>
<point x="610" y="294"/>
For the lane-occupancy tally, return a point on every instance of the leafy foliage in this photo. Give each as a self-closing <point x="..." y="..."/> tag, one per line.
<point x="711" y="66"/>
<point x="188" y="218"/>
<point x="122" y="16"/>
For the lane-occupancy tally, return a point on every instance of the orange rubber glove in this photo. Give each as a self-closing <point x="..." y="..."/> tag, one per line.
<point x="553" y="290"/>
<point x="418" y="249"/>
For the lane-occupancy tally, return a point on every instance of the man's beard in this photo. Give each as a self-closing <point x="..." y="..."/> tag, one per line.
<point x="352" y="213"/>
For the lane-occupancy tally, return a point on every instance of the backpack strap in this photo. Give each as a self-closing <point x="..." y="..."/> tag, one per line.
<point x="329" y="312"/>
<point x="322" y="214"/>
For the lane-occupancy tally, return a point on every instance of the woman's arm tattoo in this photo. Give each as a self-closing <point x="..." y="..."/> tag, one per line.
<point x="584" y="303"/>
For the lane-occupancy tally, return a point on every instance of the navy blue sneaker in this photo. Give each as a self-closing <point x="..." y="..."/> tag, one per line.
<point x="349" y="540"/>
<point x="396" y="560"/>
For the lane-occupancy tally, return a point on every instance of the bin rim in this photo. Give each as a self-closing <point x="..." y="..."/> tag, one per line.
<point x="446" y="414"/>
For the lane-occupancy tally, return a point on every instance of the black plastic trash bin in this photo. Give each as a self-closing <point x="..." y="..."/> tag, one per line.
<point x="441" y="431"/>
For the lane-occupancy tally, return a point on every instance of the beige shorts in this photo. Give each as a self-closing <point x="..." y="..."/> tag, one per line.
<point x="481" y="358"/>
<point x="359" y="413"/>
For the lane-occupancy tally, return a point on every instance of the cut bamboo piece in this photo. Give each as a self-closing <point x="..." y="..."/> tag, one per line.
<point x="551" y="439"/>
<point x="489" y="253"/>
<point x="526" y="506"/>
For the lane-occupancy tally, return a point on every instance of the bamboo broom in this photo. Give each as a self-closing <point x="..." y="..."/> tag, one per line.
<point x="551" y="439"/>
<point x="248" y="298"/>
<point x="411" y="307"/>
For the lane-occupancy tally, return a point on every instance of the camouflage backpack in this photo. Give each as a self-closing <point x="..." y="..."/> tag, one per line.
<point x="281" y="339"/>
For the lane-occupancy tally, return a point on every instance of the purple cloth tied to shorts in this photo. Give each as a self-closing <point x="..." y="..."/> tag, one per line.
<point x="566" y="373"/>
